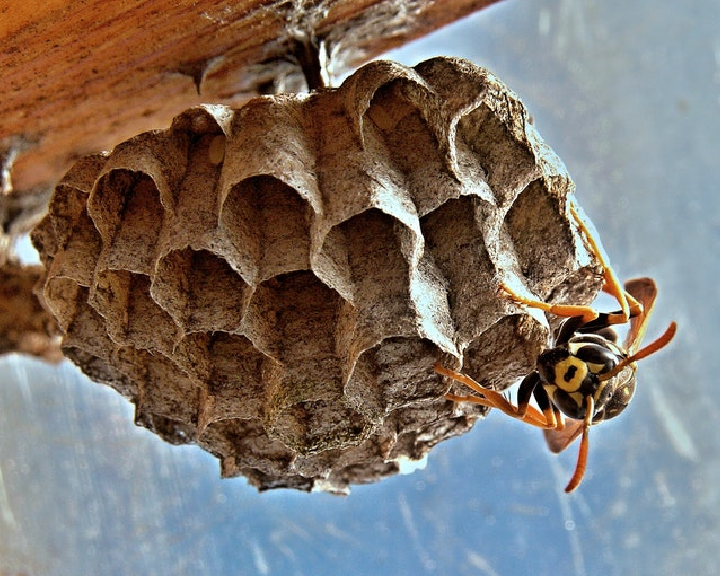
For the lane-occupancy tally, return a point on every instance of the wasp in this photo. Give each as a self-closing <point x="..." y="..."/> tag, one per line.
<point x="586" y="375"/>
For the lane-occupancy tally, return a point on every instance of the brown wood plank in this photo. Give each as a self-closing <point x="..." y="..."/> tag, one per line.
<point x="80" y="77"/>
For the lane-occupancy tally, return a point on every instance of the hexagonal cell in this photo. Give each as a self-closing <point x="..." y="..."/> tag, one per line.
<point x="99" y="369"/>
<point x="83" y="244"/>
<point x="200" y="290"/>
<point x="269" y="223"/>
<point x="380" y="276"/>
<point x="506" y="351"/>
<point x="62" y="296"/>
<point x="277" y="282"/>
<point x="394" y="374"/>
<point x="508" y="163"/>
<point x="165" y="392"/>
<point x="126" y="209"/>
<point x="463" y="258"/>
<point x="242" y="444"/>
<point x="236" y="387"/>
<point x="314" y="426"/>
<point x="359" y="464"/>
<point x="69" y="204"/>
<point x="87" y="344"/>
<point x="86" y="329"/>
<point x="274" y="137"/>
<point x="205" y="127"/>
<point x="286" y="320"/>
<point x="133" y="317"/>
<point x="53" y="233"/>
<point x="286" y="314"/>
<point x="536" y="214"/>
<point x="411" y="146"/>
<point x="430" y="423"/>
<point x="195" y="199"/>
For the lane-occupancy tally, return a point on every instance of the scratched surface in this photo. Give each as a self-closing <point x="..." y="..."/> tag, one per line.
<point x="629" y="95"/>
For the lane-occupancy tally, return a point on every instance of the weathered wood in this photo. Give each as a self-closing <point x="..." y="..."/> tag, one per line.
<point x="25" y="326"/>
<point x="81" y="77"/>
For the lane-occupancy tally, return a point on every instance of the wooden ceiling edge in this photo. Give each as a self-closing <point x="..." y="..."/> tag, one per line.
<point x="57" y="109"/>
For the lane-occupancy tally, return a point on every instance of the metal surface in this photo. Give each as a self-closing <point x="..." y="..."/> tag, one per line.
<point x="629" y="95"/>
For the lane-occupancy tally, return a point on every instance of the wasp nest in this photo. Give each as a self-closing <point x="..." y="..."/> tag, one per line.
<point x="275" y="283"/>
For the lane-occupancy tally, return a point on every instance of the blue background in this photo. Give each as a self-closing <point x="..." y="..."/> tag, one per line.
<point x="628" y="94"/>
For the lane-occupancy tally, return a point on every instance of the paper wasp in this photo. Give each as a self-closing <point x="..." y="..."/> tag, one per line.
<point x="587" y="375"/>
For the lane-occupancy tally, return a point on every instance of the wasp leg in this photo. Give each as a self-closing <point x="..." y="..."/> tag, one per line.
<point x="565" y="310"/>
<point x="634" y="308"/>
<point x="526" y="390"/>
<point x="482" y="401"/>
<point x="629" y="306"/>
<point x="581" y="464"/>
<point x="611" y="283"/>
<point x="494" y="399"/>
<point x="553" y="416"/>
<point x="531" y="387"/>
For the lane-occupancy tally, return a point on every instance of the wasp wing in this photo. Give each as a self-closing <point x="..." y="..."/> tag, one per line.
<point x="644" y="291"/>
<point x="558" y="440"/>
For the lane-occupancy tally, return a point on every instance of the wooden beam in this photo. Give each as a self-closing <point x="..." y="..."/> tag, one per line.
<point x="81" y="77"/>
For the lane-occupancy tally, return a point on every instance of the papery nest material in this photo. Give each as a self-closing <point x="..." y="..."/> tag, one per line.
<point x="275" y="283"/>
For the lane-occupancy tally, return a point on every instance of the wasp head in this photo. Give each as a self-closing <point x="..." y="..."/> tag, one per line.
<point x="571" y="372"/>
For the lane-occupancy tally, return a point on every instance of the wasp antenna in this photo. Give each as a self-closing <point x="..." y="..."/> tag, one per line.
<point x="658" y="343"/>
<point x="651" y="348"/>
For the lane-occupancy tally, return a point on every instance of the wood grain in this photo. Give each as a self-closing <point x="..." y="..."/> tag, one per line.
<point x="80" y="77"/>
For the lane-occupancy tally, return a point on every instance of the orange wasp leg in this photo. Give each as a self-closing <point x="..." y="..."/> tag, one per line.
<point x="564" y="310"/>
<point x="611" y="283"/>
<point x="581" y="464"/>
<point x="629" y="306"/>
<point x="493" y="399"/>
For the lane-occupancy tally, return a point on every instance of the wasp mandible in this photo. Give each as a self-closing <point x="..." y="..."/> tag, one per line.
<point x="586" y="376"/>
